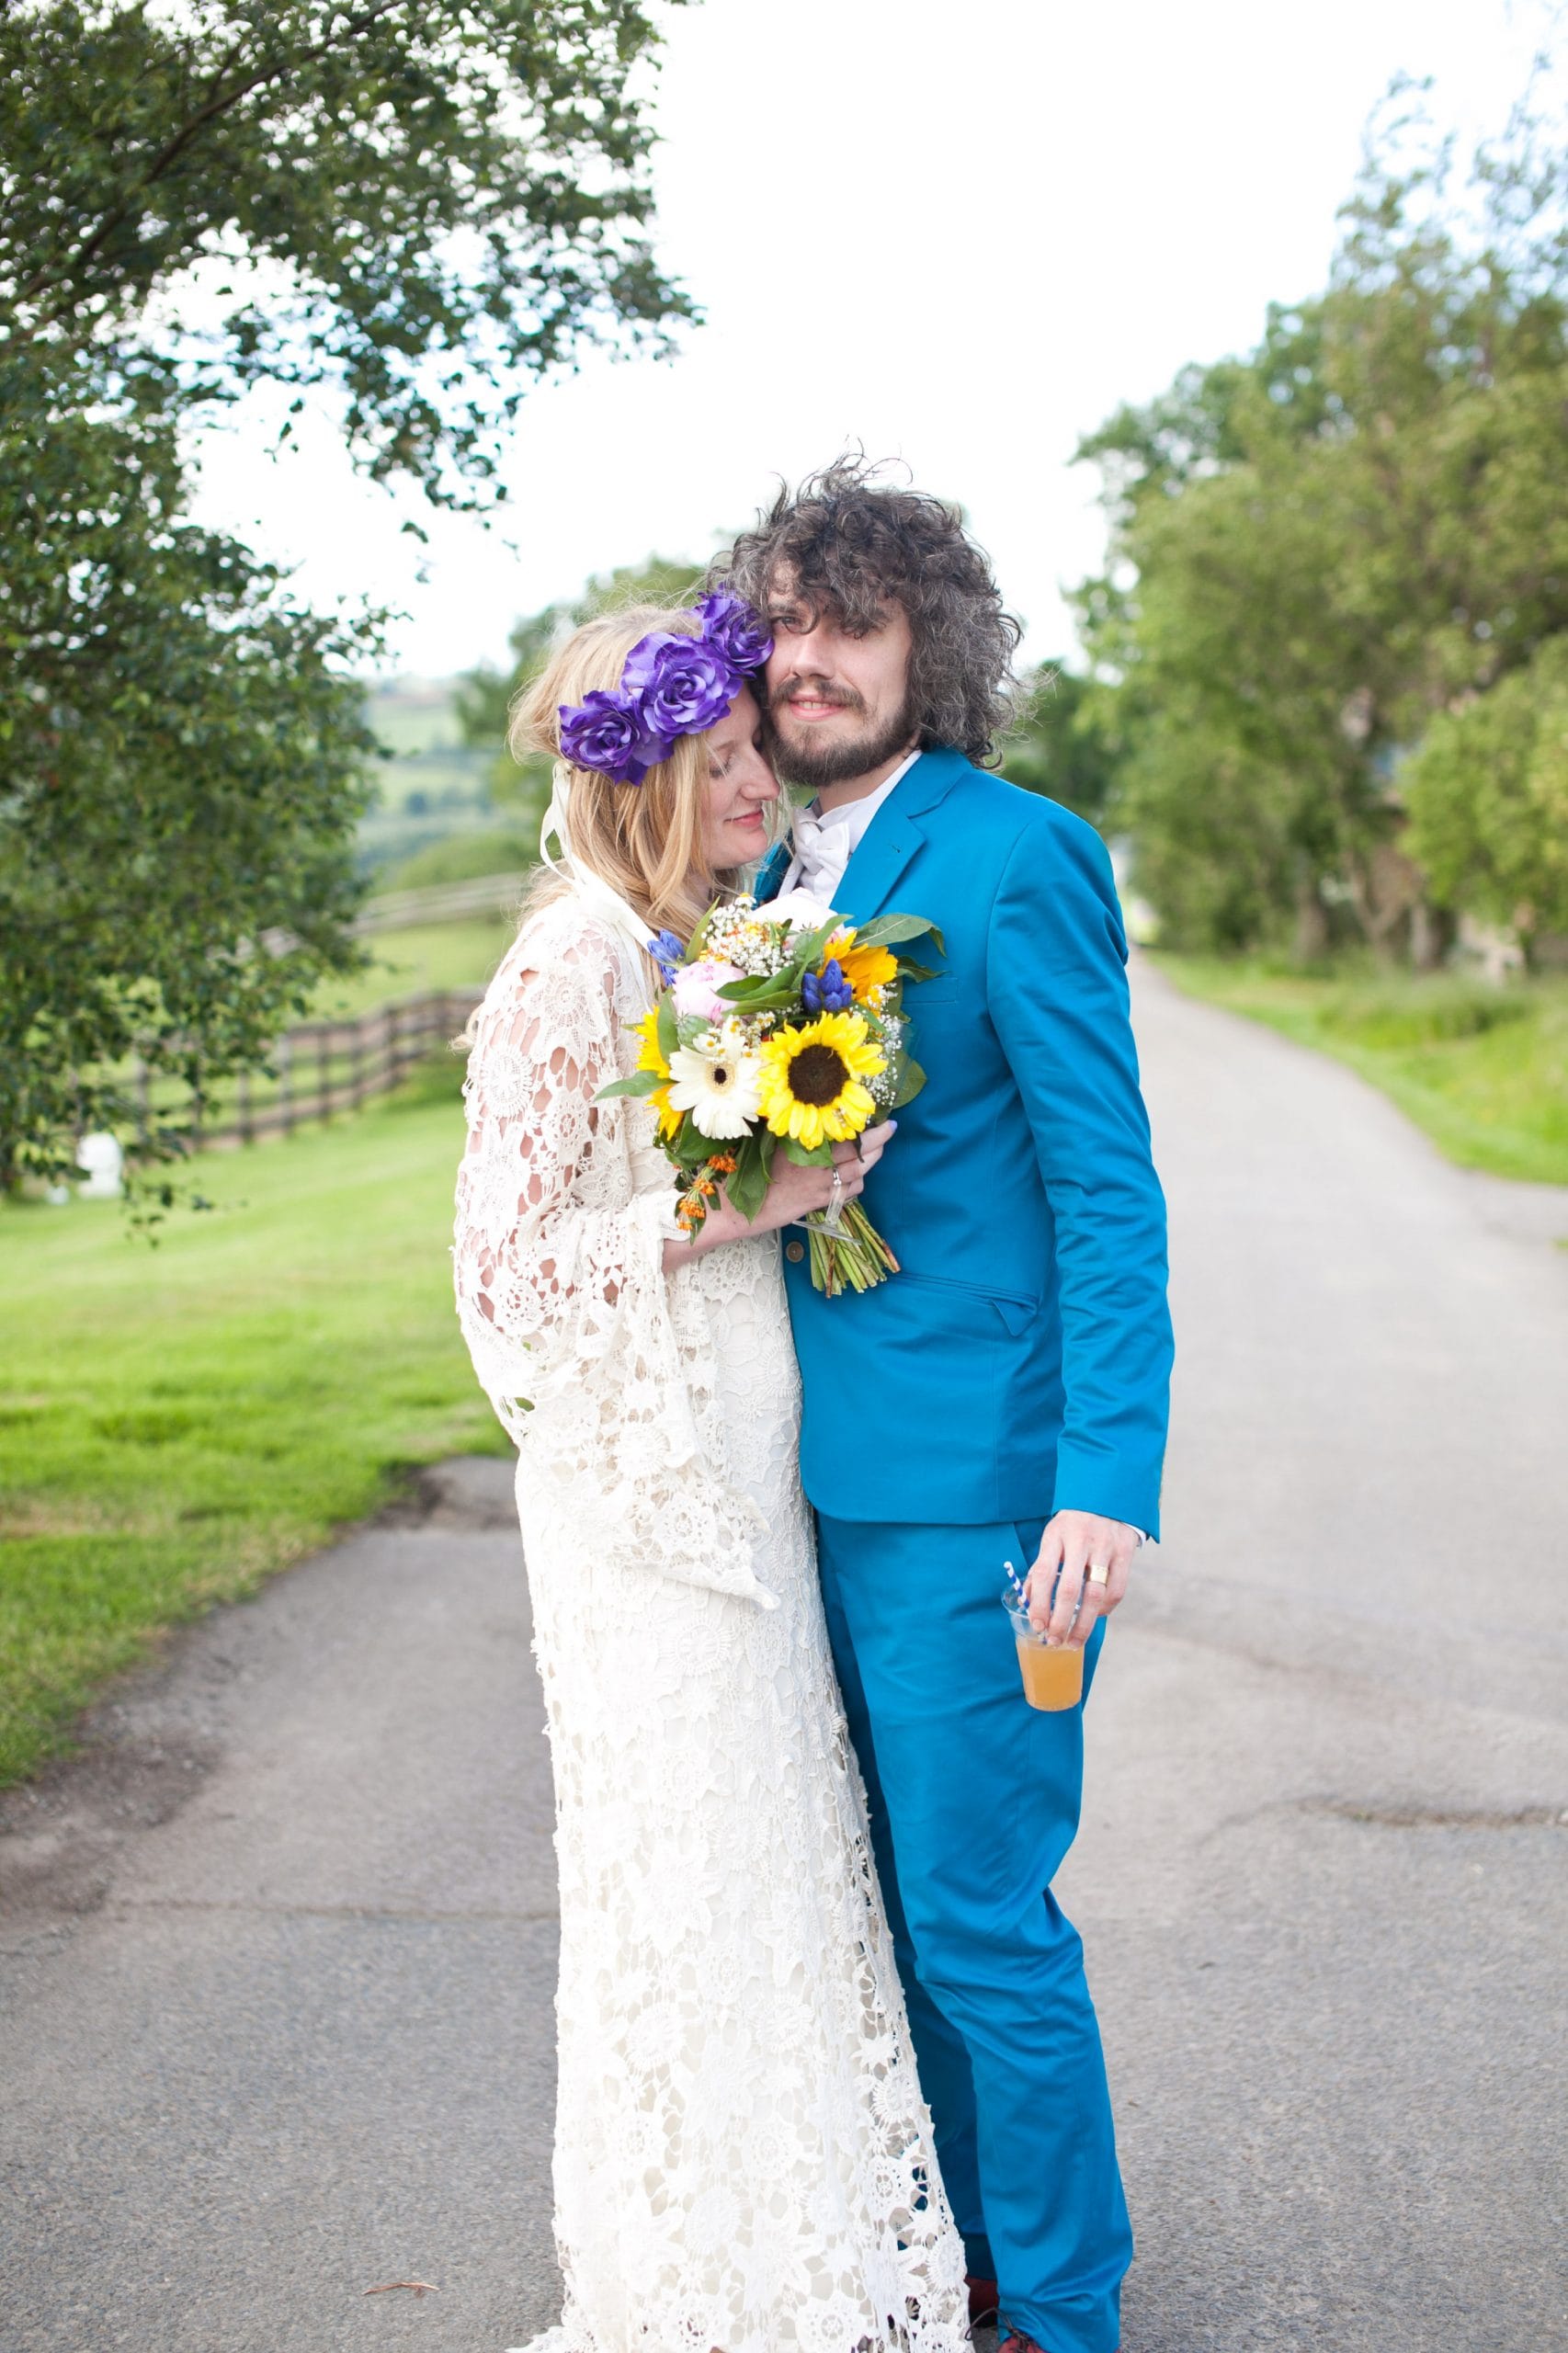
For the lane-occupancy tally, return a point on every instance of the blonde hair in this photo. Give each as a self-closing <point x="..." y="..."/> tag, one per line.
<point x="644" y="840"/>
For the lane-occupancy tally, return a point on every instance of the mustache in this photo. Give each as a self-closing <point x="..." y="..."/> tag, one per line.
<point x="820" y="690"/>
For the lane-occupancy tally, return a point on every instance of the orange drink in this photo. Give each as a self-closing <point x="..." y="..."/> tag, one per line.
<point x="1053" y="1675"/>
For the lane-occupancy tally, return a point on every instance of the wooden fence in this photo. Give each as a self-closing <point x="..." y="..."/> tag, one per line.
<point x="321" y="1068"/>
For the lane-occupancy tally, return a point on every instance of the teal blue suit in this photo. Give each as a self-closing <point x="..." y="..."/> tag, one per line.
<point x="1017" y="1366"/>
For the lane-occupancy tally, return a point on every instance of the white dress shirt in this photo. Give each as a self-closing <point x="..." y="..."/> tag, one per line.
<point x="826" y="840"/>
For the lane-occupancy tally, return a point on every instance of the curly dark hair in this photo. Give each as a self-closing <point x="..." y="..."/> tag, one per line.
<point x="848" y="545"/>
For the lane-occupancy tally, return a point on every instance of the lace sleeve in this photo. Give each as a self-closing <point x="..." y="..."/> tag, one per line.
<point x="561" y="1285"/>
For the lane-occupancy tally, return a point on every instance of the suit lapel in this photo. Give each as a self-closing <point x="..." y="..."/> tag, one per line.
<point x="771" y="872"/>
<point x="895" y="833"/>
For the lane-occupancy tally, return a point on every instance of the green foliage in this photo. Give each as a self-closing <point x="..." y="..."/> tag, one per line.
<point x="419" y="207"/>
<point x="1064" y="750"/>
<point x="485" y="695"/>
<point x="1320" y="546"/>
<point x="176" y="1423"/>
<point x="1487" y="789"/>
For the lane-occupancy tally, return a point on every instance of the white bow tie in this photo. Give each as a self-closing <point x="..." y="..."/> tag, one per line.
<point x="822" y="844"/>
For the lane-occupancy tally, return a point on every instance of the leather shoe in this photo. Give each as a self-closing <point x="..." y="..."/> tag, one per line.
<point x="981" y="2301"/>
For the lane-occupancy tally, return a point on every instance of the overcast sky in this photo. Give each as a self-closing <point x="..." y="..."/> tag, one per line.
<point x="960" y="235"/>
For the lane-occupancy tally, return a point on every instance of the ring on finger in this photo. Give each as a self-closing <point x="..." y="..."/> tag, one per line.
<point x="1099" y="1573"/>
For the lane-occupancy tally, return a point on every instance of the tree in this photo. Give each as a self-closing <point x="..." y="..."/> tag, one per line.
<point x="1062" y="749"/>
<point x="486" y="694"/>
<point x="1319" y="547"/>
<point x="416" y="209"/>
<point x="1488" y="790"/>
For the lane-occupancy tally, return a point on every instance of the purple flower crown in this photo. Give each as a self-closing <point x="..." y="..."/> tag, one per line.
<point x="672" y="685"/>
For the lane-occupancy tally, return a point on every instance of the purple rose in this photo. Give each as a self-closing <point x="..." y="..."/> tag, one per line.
<point x="729" y="622"/>
<point x="643" y="661"/>
<point x="610" y="731"/>
<point x="690" y="685"/>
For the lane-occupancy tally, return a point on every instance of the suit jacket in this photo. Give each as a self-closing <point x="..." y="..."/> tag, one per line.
<point x="1019" y="1363"/>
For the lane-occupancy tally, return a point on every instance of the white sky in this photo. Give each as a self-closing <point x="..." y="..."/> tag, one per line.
<point x="960" y="235"/>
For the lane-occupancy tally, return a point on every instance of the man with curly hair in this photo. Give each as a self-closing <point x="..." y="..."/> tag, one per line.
<point x="1004" y="1396"/>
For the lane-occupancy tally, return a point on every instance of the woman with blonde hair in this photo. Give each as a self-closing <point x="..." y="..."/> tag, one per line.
<point x="744" y="2162"/>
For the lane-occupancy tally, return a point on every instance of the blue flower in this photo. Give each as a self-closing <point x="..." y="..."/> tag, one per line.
<point x="828" y="992"/>
<point x="666" y="952"/>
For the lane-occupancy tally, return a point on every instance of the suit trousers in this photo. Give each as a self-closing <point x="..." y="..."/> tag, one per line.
<point x="975" y="1798"/>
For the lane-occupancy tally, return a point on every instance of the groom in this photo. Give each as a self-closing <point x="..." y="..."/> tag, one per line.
<point x="1003" y="1397"/>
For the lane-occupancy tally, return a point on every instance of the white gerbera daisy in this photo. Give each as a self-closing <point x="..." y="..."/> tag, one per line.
<point x="719" y="1083"/>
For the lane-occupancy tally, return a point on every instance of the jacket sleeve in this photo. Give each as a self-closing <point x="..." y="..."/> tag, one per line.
<point x="1057" y="997"/>
<point x="561" y="1293"/>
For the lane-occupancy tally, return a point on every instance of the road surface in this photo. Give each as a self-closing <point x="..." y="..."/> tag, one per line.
<point x="277" y="1953"/>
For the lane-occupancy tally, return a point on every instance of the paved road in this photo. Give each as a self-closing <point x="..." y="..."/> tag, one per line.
<point x="276" y="1957"/>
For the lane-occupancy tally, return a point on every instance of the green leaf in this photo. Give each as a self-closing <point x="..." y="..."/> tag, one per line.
<point x="749" y="1182"/>
<point x="668" y="1028"/>
<point x="820" y="1158"/>
<point x="910" y="1078"/>
<point x="887" y="931"/>
<point x="643" y="1082"/>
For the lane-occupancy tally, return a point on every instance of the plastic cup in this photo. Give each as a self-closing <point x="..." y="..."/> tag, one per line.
<point x="1052" y="1674"/>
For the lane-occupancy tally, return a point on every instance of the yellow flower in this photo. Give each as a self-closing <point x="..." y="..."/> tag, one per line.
<point x="669" y="1118"/>
<point x="651" y="1057"/>
<point x="864" y="969"/>
<point x="812" y="1079"/>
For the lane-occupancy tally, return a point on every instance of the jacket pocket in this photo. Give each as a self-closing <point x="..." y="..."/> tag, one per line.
<point x="1017" y="1309"/>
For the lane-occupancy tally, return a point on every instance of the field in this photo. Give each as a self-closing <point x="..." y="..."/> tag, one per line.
<point x="1482" y="1069"/>
<point x="176" y="1421"/>
<point x="425" y="956"/>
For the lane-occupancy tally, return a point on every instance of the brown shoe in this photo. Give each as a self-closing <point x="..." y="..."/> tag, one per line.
<point x="981" y="2302"/>
<point x="1017" y="2342"/>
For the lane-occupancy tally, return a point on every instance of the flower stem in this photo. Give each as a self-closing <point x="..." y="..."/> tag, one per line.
<point x="852" y="1257"/>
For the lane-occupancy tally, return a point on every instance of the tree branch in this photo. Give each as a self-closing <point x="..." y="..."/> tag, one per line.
<point x="218" y="103"/>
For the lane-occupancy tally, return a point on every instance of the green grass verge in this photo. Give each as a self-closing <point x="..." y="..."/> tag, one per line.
<point x="1483" y="1070"/>
<point x="425" y="956"/>
<point x="177" y="1421"/>
<point x="464" y="858"/>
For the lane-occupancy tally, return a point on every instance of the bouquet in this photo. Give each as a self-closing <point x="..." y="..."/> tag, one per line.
<point x="780" y="1029"/>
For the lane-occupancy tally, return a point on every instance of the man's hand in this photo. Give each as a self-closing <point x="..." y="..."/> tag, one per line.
<point x="1058" y="1583"/>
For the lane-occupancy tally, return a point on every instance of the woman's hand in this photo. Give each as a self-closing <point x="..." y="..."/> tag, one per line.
<point x="794" y="1193"/>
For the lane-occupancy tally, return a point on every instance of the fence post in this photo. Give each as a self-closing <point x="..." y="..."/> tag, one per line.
<point x="324" y="1074"/>
<point x="242" y="1108"/>
<point x="356" y="1065"/>
<point x="285" y="1085"/>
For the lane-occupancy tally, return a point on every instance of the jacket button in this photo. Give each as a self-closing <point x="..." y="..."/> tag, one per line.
<point x="794" y="1251"/>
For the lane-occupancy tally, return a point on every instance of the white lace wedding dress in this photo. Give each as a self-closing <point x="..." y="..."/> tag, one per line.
<point x="742" y="2158"/>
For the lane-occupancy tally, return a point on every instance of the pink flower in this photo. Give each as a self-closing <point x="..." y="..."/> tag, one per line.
<point x="698" y="987"/>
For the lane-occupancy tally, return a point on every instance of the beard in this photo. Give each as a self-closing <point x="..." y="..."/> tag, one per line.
<point x="815" y="766"/>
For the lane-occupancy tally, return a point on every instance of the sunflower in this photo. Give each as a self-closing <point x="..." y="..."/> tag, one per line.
<point x="717" y="1081"/>
<point x="812" y="1079"/>
<point x="651" y="1057"/>
<point x="864" y="969"/>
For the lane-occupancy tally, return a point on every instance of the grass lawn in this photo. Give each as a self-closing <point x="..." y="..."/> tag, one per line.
<point x="427" y="956"/>
<point x="1483" y="1070"/>
<point x="176" y="1421"/>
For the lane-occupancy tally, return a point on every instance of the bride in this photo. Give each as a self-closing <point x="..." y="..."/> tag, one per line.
<point x="743" y="2162"/>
